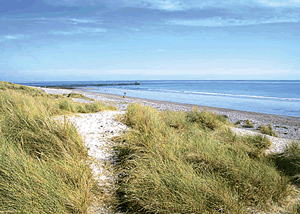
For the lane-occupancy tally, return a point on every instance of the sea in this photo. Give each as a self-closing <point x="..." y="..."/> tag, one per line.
<point x="280" y="97"/>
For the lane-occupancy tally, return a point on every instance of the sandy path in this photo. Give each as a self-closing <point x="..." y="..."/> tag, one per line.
<point x="96" y="130"/>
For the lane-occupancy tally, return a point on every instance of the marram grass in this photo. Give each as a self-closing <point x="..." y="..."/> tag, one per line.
<point x="267" y="130"/>
<point x="44" y="165"/>
<point x="178" y="162"/>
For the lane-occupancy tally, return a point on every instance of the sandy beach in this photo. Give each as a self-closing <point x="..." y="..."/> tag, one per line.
<point x="287" y="127"/>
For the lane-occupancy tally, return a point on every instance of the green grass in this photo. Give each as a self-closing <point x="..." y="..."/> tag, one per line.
<point x="289" y="162"/>
<point x="74" y="95"/>
<point x="237" y="122"/>
<point x="38" y="92"/>
<point x="248" y="124"/>
<point x="267" y="130"/>
<point x="21" y="88"/>
<point x="67" y="105"/>
<point x="169" y="162"/>
<point x="44" y="165"/>
<point x="178" y="162"/>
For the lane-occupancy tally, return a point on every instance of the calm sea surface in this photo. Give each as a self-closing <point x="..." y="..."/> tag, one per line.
<point x="272" y="97"/>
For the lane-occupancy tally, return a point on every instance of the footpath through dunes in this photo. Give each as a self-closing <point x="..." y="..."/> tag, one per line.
<point x="97" y="129"/>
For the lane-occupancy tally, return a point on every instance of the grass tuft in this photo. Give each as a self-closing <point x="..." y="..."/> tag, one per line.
<point x="81" y="96"/>
<point x="44" y="165"/>
<point x="178" y="162"/>
<point x="206" y="119"/>
<point x="248" y="124"/>
<point x="267" y="130"/>
<point x="289" y="162"/>
<point x="21" y="88"/>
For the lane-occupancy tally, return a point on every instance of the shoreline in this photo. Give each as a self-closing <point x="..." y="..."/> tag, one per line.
<point x="285" y="126"/>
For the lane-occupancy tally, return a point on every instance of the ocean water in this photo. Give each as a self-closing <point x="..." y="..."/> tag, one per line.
<point x="271" y="97"/>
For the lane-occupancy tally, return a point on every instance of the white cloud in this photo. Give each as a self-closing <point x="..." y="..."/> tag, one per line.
<point x="84" y="21"/>
<point x="177" y="5"/>
<point x="79" y="31"/>
<point x="11" y="37"/>
<point x="169" y="5"/>
<point x="4" y="38"/>
<point x="75" y="21"/>
<point x="134" y="29"/>
<point x="280" y="3"/>
<point x="225" y="22"/>
<point x="66" y="33"/>
<point x="62" y="2"/>
<point x="93" y="30"/>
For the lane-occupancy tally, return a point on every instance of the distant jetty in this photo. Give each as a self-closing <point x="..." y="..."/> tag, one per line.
<point x="73" y="86"/>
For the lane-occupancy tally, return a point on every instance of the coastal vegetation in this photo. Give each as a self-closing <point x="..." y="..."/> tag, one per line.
<point x="168" y="162"/>
<point x="44" y="165"/>
<point x="289" y="162"/>
<point x="81" y="96"/>
<point x="267" y="130"/>
<point x="248" y="124"/>
<point x="191" y="162"/>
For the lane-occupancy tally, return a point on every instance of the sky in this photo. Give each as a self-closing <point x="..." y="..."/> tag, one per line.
<point x="55" y="40"/>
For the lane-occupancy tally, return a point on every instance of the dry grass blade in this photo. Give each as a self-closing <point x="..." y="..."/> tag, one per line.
<point x="193" y="163"/>
<point x="44" y="165"/>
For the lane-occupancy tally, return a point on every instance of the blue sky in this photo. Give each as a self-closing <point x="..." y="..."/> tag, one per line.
<point x="51" y="40"/>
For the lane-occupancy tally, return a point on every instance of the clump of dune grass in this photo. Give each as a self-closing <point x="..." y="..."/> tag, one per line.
<point x="267" y="130"/>
<point x="67" y="105"/>
<point x="21" y="88"/>
<point x="81" y="96"/>
<point x="38" y="92"/>
<point x="296" y="209"/>
<point x="178" y="162"/>
<point x="205" y="119"/>
<point x="248" y="124"/>
<point x="289" y="162"/>
<point x="44" y="165"/>
<point x="237" y="122"/>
